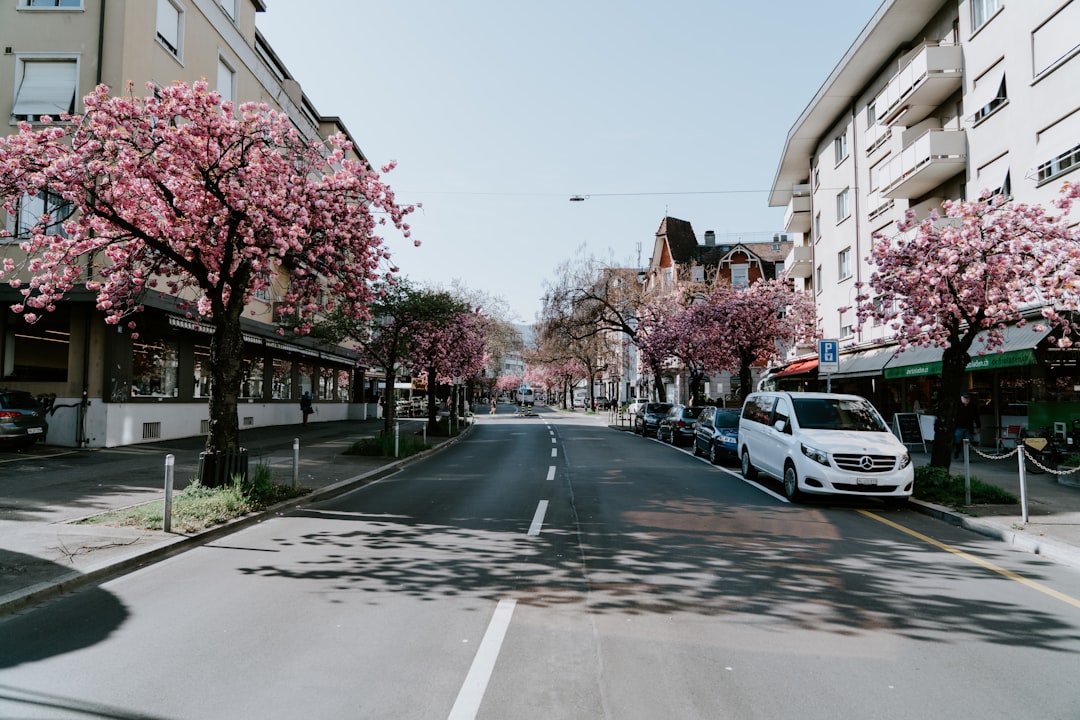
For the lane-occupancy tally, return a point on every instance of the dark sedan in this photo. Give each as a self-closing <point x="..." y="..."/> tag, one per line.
<point x="716" y="435"/>
<point x="677" y="427"/>
<point x="648" y="418"/>
<point x="22" y="419"/>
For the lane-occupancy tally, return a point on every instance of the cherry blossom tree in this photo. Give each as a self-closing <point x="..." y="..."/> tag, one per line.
<point x="982" y="266"/>
<point x="182" y="193"/>
<point x="728" y="329"/>
<point x="758" y="323"/>
<point x="446" y="346"/>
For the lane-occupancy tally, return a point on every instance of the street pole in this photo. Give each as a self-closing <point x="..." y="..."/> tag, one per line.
<point x="166" y="523"/>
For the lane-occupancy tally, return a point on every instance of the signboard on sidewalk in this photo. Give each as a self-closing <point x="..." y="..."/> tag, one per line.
<point x="828" y="357"/>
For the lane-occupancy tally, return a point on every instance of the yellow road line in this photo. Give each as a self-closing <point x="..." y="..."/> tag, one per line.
<point x="36" y="457"/>
<point x="977" y="560"/>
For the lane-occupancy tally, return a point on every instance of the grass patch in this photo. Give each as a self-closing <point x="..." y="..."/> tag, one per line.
<point x="198" y="507"/>
<point x="937" y="485"/>
<point x="383" y="446"/>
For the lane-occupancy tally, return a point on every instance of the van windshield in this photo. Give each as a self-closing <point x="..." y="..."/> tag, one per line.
<point x="837" y="414"/>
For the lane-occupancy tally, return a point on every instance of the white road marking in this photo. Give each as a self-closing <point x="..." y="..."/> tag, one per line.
<point x="551" y="473"/>
<point x="554" y="452"/>
<point x="553" y="441"/>
<point x="472" y="691"/>
<point x="538" y="518"/>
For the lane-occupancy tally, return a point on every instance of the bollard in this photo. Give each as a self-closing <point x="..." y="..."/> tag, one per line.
<point x="425" y="434"/>
<point x="295" y="461"/>
<point x="1023" y="482"/>
<point x="967" y="472"/>
<point x="166" y="522"/>
<point x="397" y="434"/>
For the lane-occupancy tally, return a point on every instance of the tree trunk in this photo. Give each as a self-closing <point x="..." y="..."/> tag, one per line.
<point x="658" y="385"/>
<point x="746" y="379"/>
<point x="954" y="360"/>
<point x="226" y="354"/>
<point x="432" y="404"/>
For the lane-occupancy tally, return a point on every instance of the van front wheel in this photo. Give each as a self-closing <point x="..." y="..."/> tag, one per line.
<point x="791" y="484"/>
<point x="748" y="470"/>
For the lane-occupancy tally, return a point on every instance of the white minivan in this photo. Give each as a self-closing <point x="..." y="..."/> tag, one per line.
<point x="823" y="443"/>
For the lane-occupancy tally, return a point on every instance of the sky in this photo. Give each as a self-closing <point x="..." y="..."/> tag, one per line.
<point x="498" y="111"/>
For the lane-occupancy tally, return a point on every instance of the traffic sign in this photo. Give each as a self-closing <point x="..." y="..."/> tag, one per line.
<point x="828" y="357"/>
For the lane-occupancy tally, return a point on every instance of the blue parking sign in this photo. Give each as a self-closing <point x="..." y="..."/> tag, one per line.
<point x="828" y="356"/>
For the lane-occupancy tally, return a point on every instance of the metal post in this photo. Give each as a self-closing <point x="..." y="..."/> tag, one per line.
<point x="295" y="461"/>
<point x="1020" y="450"/>
<point x="397" y="434"/>
<point x="166" y="522"/>
<point x="967" y="472"/>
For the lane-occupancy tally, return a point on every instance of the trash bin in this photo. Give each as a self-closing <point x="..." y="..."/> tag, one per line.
<point x="218" y="468"/>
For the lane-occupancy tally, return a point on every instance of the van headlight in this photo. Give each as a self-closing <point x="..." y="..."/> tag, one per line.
<point x="818" y="456"/>
<point x="905" y="460"/>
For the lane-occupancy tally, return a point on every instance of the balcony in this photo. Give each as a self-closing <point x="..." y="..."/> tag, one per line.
<point x="934" y="157"/>
<point x="797" y="218"/>
<point x="932" y="75"/>
<point x="800" y="262"/>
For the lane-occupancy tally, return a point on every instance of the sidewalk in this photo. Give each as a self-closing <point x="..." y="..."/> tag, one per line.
<point x="43" y="553"/>
<point x="42" y="558"/>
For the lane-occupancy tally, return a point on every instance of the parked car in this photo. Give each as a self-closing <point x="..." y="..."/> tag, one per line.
<point x="22" y="419"/>
<point x="633" y="407"/>
<point x="648" y="418"/>
<point x="823" y="443"/>
<point x="677" y="427"/>
<point x="716" y="435"/>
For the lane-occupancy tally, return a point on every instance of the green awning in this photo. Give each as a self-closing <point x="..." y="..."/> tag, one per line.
<point x="1015" y="358"/>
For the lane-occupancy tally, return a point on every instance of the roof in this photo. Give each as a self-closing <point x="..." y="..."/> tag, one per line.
<point x="894" y="24"/>
<point x="681" y="240"/>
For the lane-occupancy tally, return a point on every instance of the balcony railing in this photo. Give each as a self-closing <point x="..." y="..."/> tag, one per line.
<point x="935" y="73"/>
<point x="797" y="216"/>
<point x="800" y="262"/>
<point x="934" y="157"/>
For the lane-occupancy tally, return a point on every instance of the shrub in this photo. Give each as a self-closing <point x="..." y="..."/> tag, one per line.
<point x="383" y="446"/>
<point x="937" y="485"/>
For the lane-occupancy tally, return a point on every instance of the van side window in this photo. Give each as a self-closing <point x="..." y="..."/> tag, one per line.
<point x="759" y="409"/>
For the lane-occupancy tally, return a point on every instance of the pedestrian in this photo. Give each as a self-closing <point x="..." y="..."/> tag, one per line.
<point x="305" y="405"/>
<point x="967" y="423"/>
<point x="494" y="404"/>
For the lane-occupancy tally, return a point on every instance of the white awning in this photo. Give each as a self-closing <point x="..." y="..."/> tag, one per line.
<point x="47" y="88"/>
<point x="867" y="363"/>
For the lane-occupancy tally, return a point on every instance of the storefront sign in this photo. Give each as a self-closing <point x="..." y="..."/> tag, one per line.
<point x="1016" y="358"/>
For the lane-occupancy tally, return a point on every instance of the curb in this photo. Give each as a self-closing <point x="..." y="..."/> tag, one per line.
<point x="15" y="601"/>
<point x="1036" y="545"/>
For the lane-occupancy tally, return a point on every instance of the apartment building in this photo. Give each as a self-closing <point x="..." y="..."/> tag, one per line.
<point x="110" y="388"/>
<point x="933" y="101"/>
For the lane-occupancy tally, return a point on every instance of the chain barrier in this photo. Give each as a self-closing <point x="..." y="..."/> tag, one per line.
<point x="1053" y="471"/>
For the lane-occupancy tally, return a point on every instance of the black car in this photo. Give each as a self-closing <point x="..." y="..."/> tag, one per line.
<point x="716" y="435"/>
<point x="649" y="416"/>
<point x="677" y="427"/>
<point x="22" y="419"/>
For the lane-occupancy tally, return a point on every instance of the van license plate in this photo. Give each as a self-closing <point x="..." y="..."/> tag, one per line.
<point x="33" y="431"/>
<point x="866" y="481"/>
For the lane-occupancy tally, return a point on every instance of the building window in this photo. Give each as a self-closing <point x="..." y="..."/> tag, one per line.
<point x="229" y="6"/>
<point x="1000" y="99"/>
<point x="817" y="226"/>
<point x="740" y="275"/>
<point x="283" y="384"/>
<point x="1055" y="167"/>
<point x="840" y="148"/>
<point x="847" y="331"/>
<point x="344" y="383"/>
<point x="46" y="86"/>
<point x="817" y="178"/>
<point x="31" y="210"/>
<point x="982" y="11"/>
<point x="38" y="352"/>
<point x="170" y="26"/>
<point x="52" y="4"/>
<point x="226" y="80"/>
<point x="818" y="280"/>
<point x="843" y="263"/>
<point x="155" y="366"/>
<point x="842" y="209"/>
<point x="251" y="374"/>
<point x="1056" y="40"/>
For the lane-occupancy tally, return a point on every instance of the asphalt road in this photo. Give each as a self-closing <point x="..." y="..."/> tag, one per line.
<point x="551" y="568"/>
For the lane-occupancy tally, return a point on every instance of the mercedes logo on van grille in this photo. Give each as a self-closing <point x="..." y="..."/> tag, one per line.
<point x="866" y="462"/>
